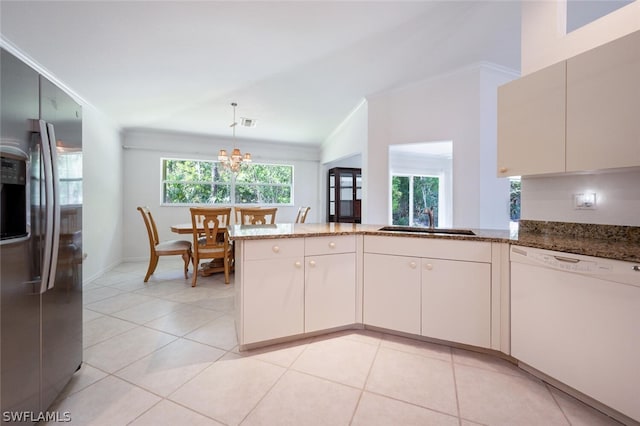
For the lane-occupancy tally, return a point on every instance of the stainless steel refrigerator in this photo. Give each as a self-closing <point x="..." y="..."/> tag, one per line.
<point x="41" y="242"/>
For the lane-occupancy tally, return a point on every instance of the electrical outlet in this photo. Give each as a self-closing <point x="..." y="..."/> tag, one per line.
<point x="585" y="201"/>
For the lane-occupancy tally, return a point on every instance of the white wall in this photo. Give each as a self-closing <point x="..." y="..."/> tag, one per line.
<point x="349" y="138"/>
<point x="143" y="151"/>
<point x="544" y="43"/>
<point x="102" y="196"/>
<point x="451" y="107"/>
<point x="551" y="198"/>
<point x="345" y="147"/>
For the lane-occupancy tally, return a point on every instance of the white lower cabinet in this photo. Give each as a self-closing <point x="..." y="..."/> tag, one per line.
<point x="271" y="289"/>
<point x="456" y="301"/>
<point x="288" y="287"/>
<point x="409" y="288"/>
<point x="273" y="299"/>
<point x="284" y="293"/>
<point x="392" y="292"/>
<point x="330" y="291"/>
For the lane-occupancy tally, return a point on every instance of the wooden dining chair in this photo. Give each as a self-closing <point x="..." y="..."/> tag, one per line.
<point x="302" y="214"/>
<point x="258" y="215"/>
<point x="211" y="240"/>
<point x="164" y="248"/>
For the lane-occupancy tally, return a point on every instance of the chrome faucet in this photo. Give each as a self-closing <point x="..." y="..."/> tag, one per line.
<point x="429" y="212"/>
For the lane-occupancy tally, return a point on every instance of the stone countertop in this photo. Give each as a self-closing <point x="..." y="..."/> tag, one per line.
<point x="599" y="247"/>
<point x="293" y="230"/>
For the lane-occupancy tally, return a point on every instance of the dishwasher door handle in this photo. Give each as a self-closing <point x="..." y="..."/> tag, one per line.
<point x="566" y="259"/>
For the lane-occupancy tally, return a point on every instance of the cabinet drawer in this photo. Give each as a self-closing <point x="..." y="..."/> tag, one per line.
<point x="273" y="248"/>
<point x="473" y="251"/>
<point x="330" y="245"/>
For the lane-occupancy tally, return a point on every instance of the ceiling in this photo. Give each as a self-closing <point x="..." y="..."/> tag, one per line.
<point x="299" y="68"/>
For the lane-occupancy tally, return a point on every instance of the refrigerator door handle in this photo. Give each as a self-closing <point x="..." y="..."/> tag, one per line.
<point x="55" y="181"/>
<point x="48" y="190"/>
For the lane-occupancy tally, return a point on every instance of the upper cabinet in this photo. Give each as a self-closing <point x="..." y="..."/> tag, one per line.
<point x="603" y="106"/>
<point x="577" y="115"/>
<point x="531" y="120"/>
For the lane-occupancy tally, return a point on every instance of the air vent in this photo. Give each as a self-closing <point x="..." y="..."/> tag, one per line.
<point x="248" y="122"/>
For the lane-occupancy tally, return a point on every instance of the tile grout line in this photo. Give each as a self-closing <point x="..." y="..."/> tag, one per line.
<point x="137" y="325"/>
<point x="364" y="385"/>
<point x="455" y="387"/>
<point x="546" y="386"/>
<point x="166" y="398"/>
<point x="286" y="370"/>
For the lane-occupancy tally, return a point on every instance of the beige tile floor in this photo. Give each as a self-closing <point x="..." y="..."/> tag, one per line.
<point x="164" y="353"/>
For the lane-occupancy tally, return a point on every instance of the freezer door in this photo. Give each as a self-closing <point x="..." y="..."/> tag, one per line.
<point x="62" y="301"/>
<point x="19" y="268"/>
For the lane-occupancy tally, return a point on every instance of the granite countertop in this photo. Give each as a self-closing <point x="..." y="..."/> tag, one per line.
<point x="294" y="230"/>
<point x="606" y="241"/>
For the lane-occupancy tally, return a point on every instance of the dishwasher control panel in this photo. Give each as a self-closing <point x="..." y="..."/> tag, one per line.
<point x="608" y="269"/>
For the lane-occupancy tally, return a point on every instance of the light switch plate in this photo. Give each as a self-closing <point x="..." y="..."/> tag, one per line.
<point x="586" y="201"/>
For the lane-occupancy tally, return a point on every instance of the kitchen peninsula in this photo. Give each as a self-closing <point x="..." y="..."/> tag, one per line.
<point x="301" y="280"/>
<point x="298" y="279"/>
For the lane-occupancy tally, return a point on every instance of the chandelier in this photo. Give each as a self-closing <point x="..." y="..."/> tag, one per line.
<point x="236" y="159"/>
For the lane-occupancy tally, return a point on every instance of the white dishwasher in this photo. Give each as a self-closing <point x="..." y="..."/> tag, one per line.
<point x="577" y="319"/>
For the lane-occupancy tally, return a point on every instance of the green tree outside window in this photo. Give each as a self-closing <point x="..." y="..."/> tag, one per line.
<point x="425" y="191"/>
<point x="208" y="182"/>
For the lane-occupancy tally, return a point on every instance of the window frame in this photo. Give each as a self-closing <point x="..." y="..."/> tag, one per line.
<point x="232" y="184"/>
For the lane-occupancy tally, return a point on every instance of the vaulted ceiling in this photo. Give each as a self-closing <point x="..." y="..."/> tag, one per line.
<point x="298" y="67"/>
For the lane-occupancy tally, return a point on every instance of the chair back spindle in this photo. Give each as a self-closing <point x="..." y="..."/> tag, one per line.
<point x="258" y="215"/>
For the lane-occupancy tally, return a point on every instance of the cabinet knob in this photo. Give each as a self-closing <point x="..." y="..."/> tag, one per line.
<point x="503" y="170"/>
<point x="312" y="263"/>
<point x="275" y="249"/>
<point x="332" y="245"/>
<point x="428" y="266"/>
<point x="298" y="264"/>
<point x="413" y="265"/>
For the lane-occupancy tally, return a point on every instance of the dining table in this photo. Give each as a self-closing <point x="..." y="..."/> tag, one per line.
<point x="184" y="228"/>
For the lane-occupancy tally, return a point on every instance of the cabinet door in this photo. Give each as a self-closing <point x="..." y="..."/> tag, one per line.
<point x="531" y="123"/>
<point x="392" y="292"/>
<point x="330" y="291"/>
<point x="273" y="299"/>
<point x="603" y="104"/>
<point x="456" y="301"/>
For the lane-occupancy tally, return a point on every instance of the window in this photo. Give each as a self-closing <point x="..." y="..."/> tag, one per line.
<point x="208" y="182"/>
<point x="264" y="184"/>
<point x="514" y="199"/>
<point x="411" y="196"/>
<point x="70" y="175"/>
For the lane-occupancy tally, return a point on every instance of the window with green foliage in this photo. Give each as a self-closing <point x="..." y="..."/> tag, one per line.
<point x="208" y="182"/>
<point x="514" y="200"/>
<point x="411" y="196"/>
<point x="264" y="184"/>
